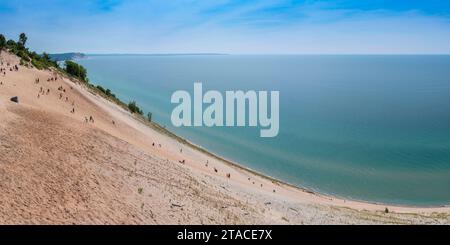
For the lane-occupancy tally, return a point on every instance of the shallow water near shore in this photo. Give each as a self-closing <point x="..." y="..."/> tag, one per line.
<point x="373" y="128"/>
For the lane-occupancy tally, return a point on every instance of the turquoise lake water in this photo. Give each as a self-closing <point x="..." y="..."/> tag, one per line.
<point x="374" y="128"/>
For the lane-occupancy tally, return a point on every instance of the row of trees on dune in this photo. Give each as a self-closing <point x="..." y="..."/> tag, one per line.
<point x="40" y="61"/>
<point x="43" y="61"/>
<point x="76" y="70"/>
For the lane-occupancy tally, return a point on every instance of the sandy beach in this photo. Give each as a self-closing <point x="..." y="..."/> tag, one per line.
<point x="57" y="166"/>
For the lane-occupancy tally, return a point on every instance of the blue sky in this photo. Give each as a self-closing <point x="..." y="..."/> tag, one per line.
<point x="231" y="26"/>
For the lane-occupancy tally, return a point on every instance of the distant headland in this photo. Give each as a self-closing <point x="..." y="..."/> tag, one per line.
<point x="67" y="56"/>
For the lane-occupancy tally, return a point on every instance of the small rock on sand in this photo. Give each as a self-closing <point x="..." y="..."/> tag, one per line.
<point x="15" y="99"/>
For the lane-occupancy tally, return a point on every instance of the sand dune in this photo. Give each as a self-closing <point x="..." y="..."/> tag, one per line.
<point x="56" y="168"/>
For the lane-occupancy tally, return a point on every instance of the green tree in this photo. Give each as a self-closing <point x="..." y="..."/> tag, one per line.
<point x="134" y="108"/>
<point x="101" y="89"/>
<point x="76" y="70"/>
<point x="22" y="40"/>
<point x="46" y="57"/>
<point x="149" y="116"/>
<point x="10" y="44"/>
<point x="2" y="42"/>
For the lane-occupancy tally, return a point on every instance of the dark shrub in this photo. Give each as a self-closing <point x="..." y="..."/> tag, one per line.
<point x="134" y="108"/>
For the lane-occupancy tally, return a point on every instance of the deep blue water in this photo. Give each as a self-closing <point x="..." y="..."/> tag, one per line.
<point x="374" y="128"/>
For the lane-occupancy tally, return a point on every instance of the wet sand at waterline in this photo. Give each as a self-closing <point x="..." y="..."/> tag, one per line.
<point x="56" y="168"/>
